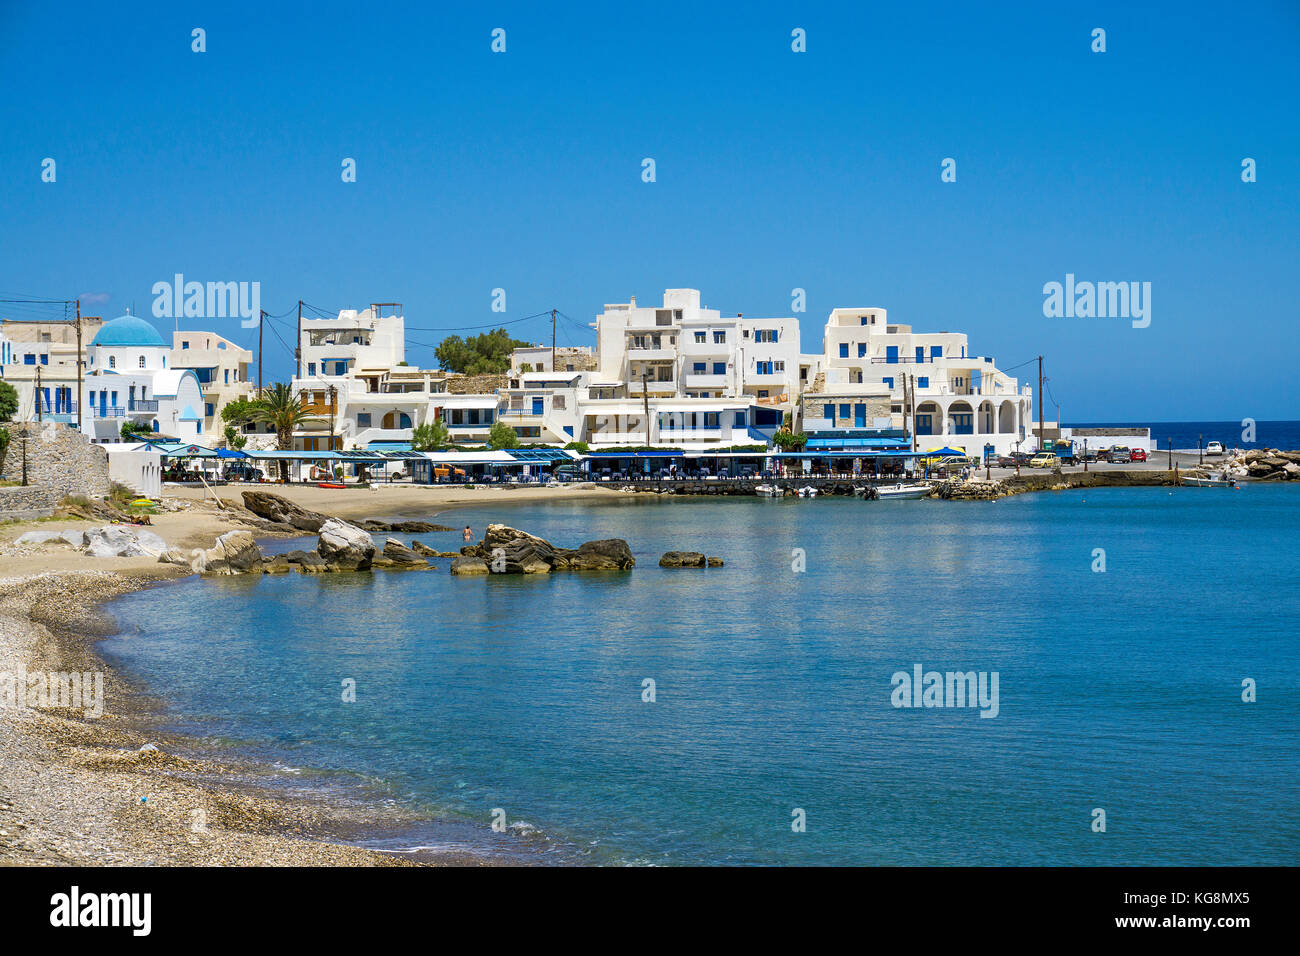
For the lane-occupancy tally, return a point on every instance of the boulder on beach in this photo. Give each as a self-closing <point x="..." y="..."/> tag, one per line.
<point x="117" y="541"/>
<point x="175" y="556"/>
<point x="235" y="552"/>
<point x="74" y="537"/>
<point x="281" y="510"/>
<point x="683" y="559"/>
<point x="344" y="546"/>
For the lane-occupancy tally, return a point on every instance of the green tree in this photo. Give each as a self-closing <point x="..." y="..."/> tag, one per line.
<point x="430" y="436"/>
<point x="502" y="436"/>
<point x="239" y="412"/>
<point x="789" y="441"/>
<point x="234" y="439"/>
<point x="8" y="401"/>
<point x="484" y="354"/>
<point x="284" y="412"/>
<point x="579" y="446"/>
<point x="135" y="431"/>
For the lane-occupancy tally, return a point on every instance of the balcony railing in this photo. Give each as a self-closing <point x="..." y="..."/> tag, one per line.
<point x="109" y="411"/>
<point x="143" y="405"/>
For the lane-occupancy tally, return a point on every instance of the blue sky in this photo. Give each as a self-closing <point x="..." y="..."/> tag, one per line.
<point x="775" y="170"/>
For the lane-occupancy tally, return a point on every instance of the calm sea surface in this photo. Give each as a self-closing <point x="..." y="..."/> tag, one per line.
<point x="1120" y="690"/>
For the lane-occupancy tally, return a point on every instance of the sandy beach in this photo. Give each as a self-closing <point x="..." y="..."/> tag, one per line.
<point x="81" y="790"/>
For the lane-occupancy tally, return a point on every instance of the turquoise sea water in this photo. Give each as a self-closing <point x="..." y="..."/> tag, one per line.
<point x="1119" y="690"/>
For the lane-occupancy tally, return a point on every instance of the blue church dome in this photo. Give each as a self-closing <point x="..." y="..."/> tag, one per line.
<point x="128" y="330"/>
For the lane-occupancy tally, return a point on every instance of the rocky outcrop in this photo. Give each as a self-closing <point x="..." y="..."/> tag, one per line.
<point x="344" y="546"/>
<point x="467" y="564"/>
<point x="404" y="527"/>
<point x="280" y="510"/>
<point x="75" y="538"/>
<point x="235" y="552"/>
<point x="978" y="489"/>
<point x="424" y="549"/>
<point x="506" y="550"/>
<point x="688" y="559"/>
<point x="400" y="554"/>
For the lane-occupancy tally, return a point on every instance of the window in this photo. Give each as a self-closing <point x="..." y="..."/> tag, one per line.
<point x="766" y="335"/>
<point x="557" y="401"/>
<point x="828" y="411"/>
<point x="184" y="345"/>
<point x="227" y="372"/>
<point x="209" y="409"/>
<point x="889" y="382"/>
<point x="142" y="361"/>
<point x="844" y="410"/>
<point x="719" y="368"/>
<point x="920" y="354"/>
<point x="862" y="350"/>
<point x="699" y="368"/>
<point x="45" y="358"/>
<point x="363" y="419"/>
<point x="936" y="351"/>
<point x="29" y="359"/>
<point x="844" y="350"/>
<point x="711" y="419"/>
<point x="864" y="320"/>
<point x="112" y="361"/>
<point x="311" y="368"/>
<point x="740" y="420"/>
<point x="891" y="355"/>
<point x="780" y="366"/>
<point x="719" y="338"/>
<point x="923" y="382"/>
<point x="700" y="337"/>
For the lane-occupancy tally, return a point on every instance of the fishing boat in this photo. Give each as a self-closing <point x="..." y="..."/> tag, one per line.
<point x="902" y="492"/>
<point x="767" y="491"/>
<point x="330" y="484"/>
<point x="1199" y="481"/>
<point x="807" y="491"/>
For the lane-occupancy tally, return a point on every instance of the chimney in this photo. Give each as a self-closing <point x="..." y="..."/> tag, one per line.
<point x="634" y="302"/>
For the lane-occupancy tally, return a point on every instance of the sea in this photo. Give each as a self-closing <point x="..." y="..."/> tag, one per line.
<point x="1133" y="657"/>
<point x="1245" y="434"/>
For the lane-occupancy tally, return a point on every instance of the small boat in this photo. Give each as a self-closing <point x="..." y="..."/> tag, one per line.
<point x="768" y="491"/>
<point x="807" y="491"/>
<point x="902" y="492"/>
<point x="1204" y="482"/>
<point x="143" y="503"/>
<point x="330" y="484"/>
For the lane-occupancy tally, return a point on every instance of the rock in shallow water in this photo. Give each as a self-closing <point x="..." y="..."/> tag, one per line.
<point x="682" y="559"/>
<point x="344" y="546"/>
<point x="399" y="553"/>
<point x="506" y="550"/>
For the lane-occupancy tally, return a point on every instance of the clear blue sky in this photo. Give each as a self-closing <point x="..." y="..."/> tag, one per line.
<point x="775" y="170"/>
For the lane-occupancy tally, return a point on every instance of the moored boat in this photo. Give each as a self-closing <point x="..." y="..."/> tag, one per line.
<point x="902" y="491"/>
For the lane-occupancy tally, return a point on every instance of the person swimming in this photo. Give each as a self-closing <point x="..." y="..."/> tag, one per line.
<point x="469" y="535"/>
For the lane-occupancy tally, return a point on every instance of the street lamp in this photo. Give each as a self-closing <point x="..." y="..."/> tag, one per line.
<point x="1085" y="454"/>
<point x="1199" y="451"/>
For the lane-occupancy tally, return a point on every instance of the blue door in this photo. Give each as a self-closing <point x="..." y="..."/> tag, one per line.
<point x="537" y="406"/>
<point x="891" y="355"/>
<point x="860" y="416"/>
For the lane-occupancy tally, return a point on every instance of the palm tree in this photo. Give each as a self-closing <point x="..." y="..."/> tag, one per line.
<point x="278" y="407"/>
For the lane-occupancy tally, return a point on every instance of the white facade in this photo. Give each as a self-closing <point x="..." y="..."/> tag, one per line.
<point x="221" y="367"/>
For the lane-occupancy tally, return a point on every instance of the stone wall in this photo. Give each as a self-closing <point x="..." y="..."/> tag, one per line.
<point x="60" y="459"/>
<point x="24" y="504"/>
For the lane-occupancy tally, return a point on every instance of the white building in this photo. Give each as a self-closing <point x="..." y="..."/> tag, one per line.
<point x="222" y="370"/>
<point x="878" y="375"/>
<point x="128" y="379"/>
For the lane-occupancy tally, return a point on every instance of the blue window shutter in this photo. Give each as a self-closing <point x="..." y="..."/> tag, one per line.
<point x="844" y="350"/>
<point x="891" y="355"/>
<point x="862" y="350"/>
<point x="923" y="381"/>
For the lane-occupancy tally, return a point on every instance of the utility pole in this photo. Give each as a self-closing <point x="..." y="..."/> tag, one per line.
<point x="261" y="321"/>
<point x="38" y="393"/>
<point x="297" y="345"/>
<point x="1040" y="403"/>
<point x="332" y="390"/>
<point x="79" y="363"/>
<point x="645" y="396"/>
<point x="553" y="369"/>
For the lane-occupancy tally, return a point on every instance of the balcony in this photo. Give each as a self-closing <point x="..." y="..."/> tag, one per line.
<point x="665" y="353"/>
<point x="143" y="405"/>
<point x="705" y="380"/>
<point x="110" y="411"/>
<point x="636" y="386"/>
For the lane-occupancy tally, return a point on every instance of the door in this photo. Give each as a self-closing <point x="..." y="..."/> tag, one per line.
<point x="860" y="416"/>
<point x="537" y="406"/>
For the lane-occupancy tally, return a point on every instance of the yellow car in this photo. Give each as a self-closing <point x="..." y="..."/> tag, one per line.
<point x="1044" y="459"/>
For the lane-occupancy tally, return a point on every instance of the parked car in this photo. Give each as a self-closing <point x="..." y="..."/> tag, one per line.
<point x="1137" y="454"/>
<point x="1044" y="459"/>
<point x="1214" y="449"/>
<point x="1120" y="454"/>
